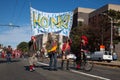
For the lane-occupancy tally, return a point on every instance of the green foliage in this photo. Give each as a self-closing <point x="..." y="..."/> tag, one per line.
<point x="23" y="46"/>
<point x="105" y="26"/>
<point x="116" y="20"/>
<point x="76" y="32"/>
<point x="114" y="14"/>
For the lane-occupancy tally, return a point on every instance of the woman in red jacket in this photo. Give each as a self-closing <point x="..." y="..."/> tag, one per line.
<point x="65" y="52"/>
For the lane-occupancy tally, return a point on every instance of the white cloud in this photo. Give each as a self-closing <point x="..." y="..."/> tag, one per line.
<point x="15" y="35"/>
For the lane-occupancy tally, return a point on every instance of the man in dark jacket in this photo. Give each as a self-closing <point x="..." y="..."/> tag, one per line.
<point x="9" y="53"/>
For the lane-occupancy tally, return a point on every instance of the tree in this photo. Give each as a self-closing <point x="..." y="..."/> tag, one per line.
<point x="76" y="33"/>
<point x="116" y="23"/>
<point x="23" y="46"/>
<point x="114" y="14"/>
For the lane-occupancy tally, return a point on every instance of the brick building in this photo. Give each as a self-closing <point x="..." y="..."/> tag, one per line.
<point x="98" y="23"/>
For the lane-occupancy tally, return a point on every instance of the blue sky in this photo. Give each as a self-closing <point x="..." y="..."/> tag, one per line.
<point x="17" y="12"/>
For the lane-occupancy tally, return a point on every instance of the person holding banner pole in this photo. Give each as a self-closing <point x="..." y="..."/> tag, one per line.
<point x="34" y="42"/>
<point x="32" y="54"/>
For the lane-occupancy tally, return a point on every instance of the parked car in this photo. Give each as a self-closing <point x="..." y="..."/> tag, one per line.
<point x="115" y="57"/>
<point x="71" y="56"/>
<point x="102" y="56"/>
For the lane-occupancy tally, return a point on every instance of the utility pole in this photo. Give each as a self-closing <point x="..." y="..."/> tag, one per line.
<point x="111" y="38"/>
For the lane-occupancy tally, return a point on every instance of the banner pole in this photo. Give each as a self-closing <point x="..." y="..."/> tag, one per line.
<point x="34" y="42"/>
<point x="30" y="16"/>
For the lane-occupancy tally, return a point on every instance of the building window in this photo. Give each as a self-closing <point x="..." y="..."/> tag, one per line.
<point x="119" y="31"/>
<point x="80" y="22"/>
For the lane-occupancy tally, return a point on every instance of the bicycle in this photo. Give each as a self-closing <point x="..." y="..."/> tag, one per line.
<point x="86" y="63"/>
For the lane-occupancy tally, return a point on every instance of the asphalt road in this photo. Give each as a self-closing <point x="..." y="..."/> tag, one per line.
<point x="17" y="70"/>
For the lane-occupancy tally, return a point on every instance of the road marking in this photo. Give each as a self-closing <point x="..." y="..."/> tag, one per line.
<point x="80" y="72"/>
<point x="43" y="63"/>
<point x="89" y="75"/>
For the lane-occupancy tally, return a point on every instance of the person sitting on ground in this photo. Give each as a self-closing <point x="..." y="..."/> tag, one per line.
<point x="32" y="61"/>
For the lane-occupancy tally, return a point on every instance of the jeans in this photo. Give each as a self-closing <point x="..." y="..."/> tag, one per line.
<point x="8" y="57"/>
<point x="53" y="58"/>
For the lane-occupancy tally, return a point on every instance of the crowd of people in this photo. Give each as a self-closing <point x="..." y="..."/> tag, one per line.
<point x="8" y="53"/>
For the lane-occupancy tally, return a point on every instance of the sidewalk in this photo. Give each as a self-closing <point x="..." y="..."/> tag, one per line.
<point x="105" y="63"/>
<point x="112" y="63"/>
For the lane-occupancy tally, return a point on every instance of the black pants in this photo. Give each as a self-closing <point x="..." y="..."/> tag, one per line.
<point x="80" y="57"/>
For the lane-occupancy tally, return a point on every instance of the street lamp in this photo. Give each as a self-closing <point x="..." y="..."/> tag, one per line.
<point x="111" y="39"/>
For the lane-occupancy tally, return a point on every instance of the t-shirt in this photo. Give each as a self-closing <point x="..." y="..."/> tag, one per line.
<point x="9" y="50"/>
<point x="65" y="47"/>
<point x="1" y="50"/>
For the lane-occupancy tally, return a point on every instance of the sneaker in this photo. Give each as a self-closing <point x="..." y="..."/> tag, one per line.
<point x="78" y="67"/>
<point x="50" y="69"/>
<point x="68" y="69"/>
<point x="55" y="69"/>
<point x="62" y="68"/>
<point x="31" y="70"/>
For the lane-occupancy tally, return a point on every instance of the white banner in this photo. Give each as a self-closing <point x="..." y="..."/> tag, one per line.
<point x="43" y="22"/>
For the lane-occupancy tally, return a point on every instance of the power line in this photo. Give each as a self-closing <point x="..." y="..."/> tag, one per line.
<point x="11" y="25"/>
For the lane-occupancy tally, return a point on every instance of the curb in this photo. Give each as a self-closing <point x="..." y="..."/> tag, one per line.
<point x="107" y="64"/>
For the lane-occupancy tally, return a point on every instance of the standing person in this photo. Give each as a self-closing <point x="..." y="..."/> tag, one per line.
<point x="4" y="52"/>
<point x="38" y="55"/>
<point x="1" y="50"/>
<point x="84" y="49"/>
<point x="42" y="53"/>
<point x="52" y="52"/>
<point x="9" y="53"/>
<point x="53" y="56"/>
<point x="65" y="52"/>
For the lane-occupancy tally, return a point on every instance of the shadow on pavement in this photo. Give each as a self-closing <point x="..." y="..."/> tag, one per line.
<point x="43" y="67"/>
<point x="27" y="68"/>
<point x="5" y="61"/>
